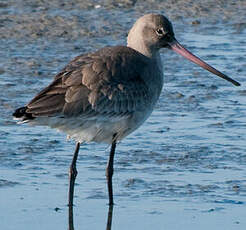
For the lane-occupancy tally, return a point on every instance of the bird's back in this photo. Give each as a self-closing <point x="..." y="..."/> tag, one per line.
<point x="111" y="90"/>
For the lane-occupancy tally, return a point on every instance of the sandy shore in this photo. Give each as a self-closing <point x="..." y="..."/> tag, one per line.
<point x="185" y="168"/>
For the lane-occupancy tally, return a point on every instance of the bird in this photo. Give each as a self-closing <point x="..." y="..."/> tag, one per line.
<point x="105" y="95"/>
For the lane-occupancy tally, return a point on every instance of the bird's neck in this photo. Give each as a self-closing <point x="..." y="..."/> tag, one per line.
<point x="143" y="49"/>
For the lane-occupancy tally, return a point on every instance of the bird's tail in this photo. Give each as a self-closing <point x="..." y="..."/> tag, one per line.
<point x="22" y="116"/>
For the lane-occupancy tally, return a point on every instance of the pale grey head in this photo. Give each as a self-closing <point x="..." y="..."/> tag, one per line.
<point x="150" y="33"/>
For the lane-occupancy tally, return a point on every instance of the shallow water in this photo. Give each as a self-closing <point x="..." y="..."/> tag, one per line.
<point x="185" y="168"/>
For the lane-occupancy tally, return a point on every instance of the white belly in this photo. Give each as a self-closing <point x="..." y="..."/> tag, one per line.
<point x="96" y="129"/>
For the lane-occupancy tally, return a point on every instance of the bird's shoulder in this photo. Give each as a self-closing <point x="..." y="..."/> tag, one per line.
<point x="117" y="61"/>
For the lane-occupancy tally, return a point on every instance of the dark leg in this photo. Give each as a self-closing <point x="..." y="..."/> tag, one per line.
<point x="110" y="171"/>
<point x="72" y="175"/>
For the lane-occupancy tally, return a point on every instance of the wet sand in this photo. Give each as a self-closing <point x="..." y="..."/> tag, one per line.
<point x="51" y="19"/>
<point x="183" y="169"/>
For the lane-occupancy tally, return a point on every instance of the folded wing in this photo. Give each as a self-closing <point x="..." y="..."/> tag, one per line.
<point x="107" y="82"/>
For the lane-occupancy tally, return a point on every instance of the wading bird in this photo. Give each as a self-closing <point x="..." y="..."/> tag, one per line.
<point x="106" y="95"/>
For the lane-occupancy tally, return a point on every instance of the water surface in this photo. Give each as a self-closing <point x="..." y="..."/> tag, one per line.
<point x="185" y="168"/>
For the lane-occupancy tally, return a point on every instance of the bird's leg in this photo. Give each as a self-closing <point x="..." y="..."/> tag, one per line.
<point x="110" y="171"/>
<point x="72" y="175"/>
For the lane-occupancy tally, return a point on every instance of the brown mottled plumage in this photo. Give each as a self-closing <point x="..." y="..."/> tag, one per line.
<point x="106" y="82"/>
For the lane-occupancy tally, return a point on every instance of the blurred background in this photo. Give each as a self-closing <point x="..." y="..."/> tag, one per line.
<point x="185" y="168"/>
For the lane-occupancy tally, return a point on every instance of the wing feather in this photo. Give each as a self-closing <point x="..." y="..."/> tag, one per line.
<point x="107" y="82"/>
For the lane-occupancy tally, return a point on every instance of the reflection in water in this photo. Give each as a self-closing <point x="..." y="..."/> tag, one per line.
<point x="110" y="217"/>
<point x="70" y="217"/>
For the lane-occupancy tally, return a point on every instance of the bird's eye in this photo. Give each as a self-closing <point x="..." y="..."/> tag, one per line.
<point x="160" y="32"/>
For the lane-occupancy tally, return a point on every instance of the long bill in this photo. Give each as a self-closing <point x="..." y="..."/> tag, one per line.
<point x="178" y="48"/>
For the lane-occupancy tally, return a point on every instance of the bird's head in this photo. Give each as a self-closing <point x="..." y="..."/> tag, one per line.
<point x="152" y="32"/>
